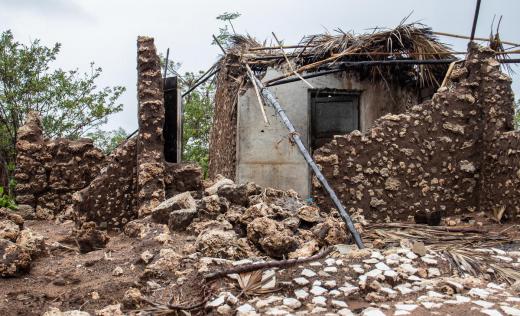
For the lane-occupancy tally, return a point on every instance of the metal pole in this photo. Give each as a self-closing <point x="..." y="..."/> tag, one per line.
<point x="296" y="137"/>
<point x="475" y="18"/>
<point x="166" y="62"/>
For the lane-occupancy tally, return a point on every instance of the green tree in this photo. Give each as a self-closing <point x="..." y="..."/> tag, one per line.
<point x="69" y="102"/>
<point x="224" y="33"/>
<point x="108" y="140"/>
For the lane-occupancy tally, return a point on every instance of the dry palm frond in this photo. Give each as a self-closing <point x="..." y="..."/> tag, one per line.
<point x="467" y="260"/>
<point x="254" y="283"/>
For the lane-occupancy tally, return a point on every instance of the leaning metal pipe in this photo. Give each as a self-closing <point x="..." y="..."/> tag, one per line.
<point x="296" y="137"/>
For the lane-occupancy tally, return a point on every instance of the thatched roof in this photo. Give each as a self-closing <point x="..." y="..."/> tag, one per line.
<point x="326" y="51"/>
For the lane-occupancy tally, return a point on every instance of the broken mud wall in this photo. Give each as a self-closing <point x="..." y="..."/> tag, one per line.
<point x="150" y="143"/>
<point x="137" y="178"/>
<point x="222" y="142"/>
<point x="48" y="171"/>
<point x="435" y="157"/>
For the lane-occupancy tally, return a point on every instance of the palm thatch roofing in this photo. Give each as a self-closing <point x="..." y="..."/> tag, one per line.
<point x="314" y="54"/>
<point x="321" y="52"/>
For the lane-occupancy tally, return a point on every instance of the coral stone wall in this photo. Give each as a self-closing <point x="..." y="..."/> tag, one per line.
<point x="150" y="143"/>
<point x="110" y="199"/>
<point x="48" y="172"/>
<point x="443" y="155"/>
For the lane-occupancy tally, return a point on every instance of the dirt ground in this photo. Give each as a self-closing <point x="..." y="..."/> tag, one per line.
<point x="68" y="280"/>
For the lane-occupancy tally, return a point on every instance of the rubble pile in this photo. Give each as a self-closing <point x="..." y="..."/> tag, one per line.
<point x="237" y="221"/>
<point x="18" y="245"/>
<point x="48" y="171"/>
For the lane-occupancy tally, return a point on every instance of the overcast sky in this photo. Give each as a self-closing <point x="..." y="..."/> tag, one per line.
<point x="105" y="31"/>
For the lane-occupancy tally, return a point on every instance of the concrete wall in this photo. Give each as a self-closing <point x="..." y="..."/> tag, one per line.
<point x="265" y="154"/>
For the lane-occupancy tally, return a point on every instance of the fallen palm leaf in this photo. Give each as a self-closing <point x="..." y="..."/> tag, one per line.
<point x="256" y="282"/>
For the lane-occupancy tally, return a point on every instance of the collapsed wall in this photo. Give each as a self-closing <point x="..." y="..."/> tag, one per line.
<point x="452" y="154"/>
<point x="137" y="178"/>
<point x="49" y="171"/>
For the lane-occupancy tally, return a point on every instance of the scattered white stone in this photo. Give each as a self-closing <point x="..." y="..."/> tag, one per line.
<point x="357" y="268"/>
<point x="391" y="274"/>
<point x="371" y="261"/>
<point x="404" y="288"/>
<point x="301" y="294"/>
<point x="495" y="286"/>
<point x="291" y="302"/>
<point x="318" y="310"/>
<point x="323" y="274"/>
<point x="275" y="311"/>
<point x="406" y="307"/>
<point x="301" y="281"/>
<point x="491" y="312"/>
<point x="231" y="299"/>
<point x="315" y="264"/>
<point x="217" y="302"/>
<point x="348" y="289"/>
<point x="434" y="272"/>
<point x="334" y="293"/>
<point x="319" y="300"/>
<point x="224" y="310"/>
<point x="373" y="273"/>
<point x="338" y="304"/>
<point x="377" y="255"/>
<point x="318" y="290"/>
<point x="511" y="311"/>
<point x="118" y="271"/>
<point x="268" y="301"/>
<point x="480" y="293"/>
<point x="410" y="255"/>
<point x="434" y="294"/>
<point x="345" y="312"/>
<point x="429" y="260"/>
<point x="401" y="312"/>
<point x="390" y="292"/>
<point x="513" y="299"/>
<point x="330" y="261"/>
<point x="146" y="256"/>
<point x="415" y="278"/>
<point x="372" y="311"/>
<point x="316" y="283"/>
<point x="431" y="305"/>
<point x="382" y="266"/>
<point x="330" y="284"/>
<point x="459" y="299"/>
<point x="308" y="273"/>
<point x="339" y="262"/>
<point x="483" y="304"/>
<point x="408" y="268"/>
<point x="331" y="269"/>
<point x="245" y="309"/>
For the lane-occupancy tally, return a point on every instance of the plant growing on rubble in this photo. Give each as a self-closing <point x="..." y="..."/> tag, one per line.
<point x="223" y="32"/>
<point x="70" y="102"/>
<point x="6" y="200"/>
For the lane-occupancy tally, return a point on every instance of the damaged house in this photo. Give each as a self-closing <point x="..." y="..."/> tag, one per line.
<point x="336" y="98"/>
<point x="365" y="108"/>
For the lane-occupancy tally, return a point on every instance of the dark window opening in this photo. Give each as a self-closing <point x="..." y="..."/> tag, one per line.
<point x="172" y="120"/>
<point x="332" y="113"/>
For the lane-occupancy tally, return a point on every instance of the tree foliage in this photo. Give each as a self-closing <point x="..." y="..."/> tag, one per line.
<point x="69" y="102"/>
<point x="224" y="33"/>
<point x="107" y="141"/>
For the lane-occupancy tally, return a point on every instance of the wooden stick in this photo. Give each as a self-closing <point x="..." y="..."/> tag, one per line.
<point x="249" y="267"/>
<point x="289" y="63"/>
<point x="476" y="38"/>
<point x="448" y="73"/>
<point x="218" y="43"/>
<point x="258" y="95"/>
<point x="277" y="47"/>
